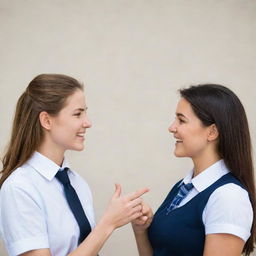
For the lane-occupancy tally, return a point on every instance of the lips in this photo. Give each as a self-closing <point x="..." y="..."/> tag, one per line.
<point x="81" y="134"/>
<point x="178" y="140"/>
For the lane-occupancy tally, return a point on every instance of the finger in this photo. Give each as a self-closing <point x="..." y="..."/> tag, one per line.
<point x="142" y="218"/>
<point x="136" y="209"/>
<point x="138" y="193"/>
<point x="145" y="208"/>
<point x="118" y="191"/>
<point x="147" y="212"/>
<point x="138" y="222"/>
<point x="135" y="202"/>
<point x="135" y="216"/>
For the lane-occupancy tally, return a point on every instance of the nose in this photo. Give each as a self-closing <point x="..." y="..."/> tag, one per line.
<point x="172" y="128"/>
<point x="87" y="123"/>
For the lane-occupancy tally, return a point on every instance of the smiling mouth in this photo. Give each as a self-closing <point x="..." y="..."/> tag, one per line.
<point x="179" y="141"/>
<point x="81" y="135"/>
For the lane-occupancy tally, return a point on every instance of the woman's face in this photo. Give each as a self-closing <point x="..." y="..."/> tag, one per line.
<point x="68" y="128"/>
<point x="190" y="134"/>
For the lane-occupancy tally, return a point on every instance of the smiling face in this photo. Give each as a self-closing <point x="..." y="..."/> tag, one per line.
<point x="192" y="137"/>
<point x="67" y="129"/>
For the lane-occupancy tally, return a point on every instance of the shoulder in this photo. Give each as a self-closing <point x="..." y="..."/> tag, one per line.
<point x="229" y="210"/>
<point x="229" y="195"/>
<point x="21" y="184"/>
<point x="20" y="177"/>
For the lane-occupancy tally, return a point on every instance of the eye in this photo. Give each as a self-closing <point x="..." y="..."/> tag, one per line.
<point x="181" y="121"/>
<point x="77" y="114"/>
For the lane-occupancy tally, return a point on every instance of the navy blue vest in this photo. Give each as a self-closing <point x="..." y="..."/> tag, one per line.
<point x="182" y="232"/>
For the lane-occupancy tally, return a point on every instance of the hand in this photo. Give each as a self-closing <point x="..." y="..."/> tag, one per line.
<point x="140" y="224"/>
<point x="123" y="209"/>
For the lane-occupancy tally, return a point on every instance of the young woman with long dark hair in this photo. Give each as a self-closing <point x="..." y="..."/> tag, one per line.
<point x="45" y="207"/>
<point x="211" y="212"/>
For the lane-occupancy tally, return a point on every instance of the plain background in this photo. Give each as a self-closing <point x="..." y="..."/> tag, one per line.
<point x="132" y="57"/>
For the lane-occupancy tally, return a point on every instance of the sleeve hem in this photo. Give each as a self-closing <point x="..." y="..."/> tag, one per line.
<point x="28" y="244"/>
<point x="229" y="229"/>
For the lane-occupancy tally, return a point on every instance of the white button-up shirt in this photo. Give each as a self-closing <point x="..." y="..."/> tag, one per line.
<point x="228" y="209"/>
<point x="34" y="212"/>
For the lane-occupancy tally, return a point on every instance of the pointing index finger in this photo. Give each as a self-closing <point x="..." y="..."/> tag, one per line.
<point x="138" y="193"/>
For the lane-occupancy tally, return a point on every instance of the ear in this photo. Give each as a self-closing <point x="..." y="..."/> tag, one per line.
<point x="213" y="133"/>
<point x="45" y="120"/>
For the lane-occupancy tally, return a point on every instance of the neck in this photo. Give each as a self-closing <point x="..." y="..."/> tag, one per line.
<point x="203" y="162"/>
<point x="51" y="152"/>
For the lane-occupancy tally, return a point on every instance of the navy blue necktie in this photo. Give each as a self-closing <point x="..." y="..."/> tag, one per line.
<point x="74" y="204"/>
<point x="182" y="193"/>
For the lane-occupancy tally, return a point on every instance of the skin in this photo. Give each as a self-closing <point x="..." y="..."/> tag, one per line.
<point x="66" y="131"/>
<point x="200" y="144"/>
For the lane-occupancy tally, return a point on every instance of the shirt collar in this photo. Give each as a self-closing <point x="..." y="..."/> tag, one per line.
<point x="45" y="166"/>
<point x="208" y="176"/>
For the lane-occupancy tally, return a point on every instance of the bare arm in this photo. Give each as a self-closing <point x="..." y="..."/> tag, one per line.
<point x="143" y="245"/>
<point x="140" y="226"/>
<point x="120" y="211"/>
<point x="38" y="252"/>
<point x="223" y="244"/>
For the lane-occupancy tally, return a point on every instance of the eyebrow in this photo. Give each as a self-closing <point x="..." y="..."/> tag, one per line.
<point x="81" y="109"/>
<point x="181" y="115"/>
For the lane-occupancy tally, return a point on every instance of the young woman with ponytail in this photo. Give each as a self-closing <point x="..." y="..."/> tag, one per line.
<point x="36" y="216"/>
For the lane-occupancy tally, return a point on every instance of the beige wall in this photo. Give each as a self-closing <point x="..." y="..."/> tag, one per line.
<point x="133" y="56"/>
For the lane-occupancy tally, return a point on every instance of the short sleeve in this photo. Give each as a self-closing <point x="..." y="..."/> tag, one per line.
<point x="229" y="210"/>
<point x="22" y="219"/>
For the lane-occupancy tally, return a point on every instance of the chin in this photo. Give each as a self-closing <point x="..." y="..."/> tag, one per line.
<point x="81" y="148"/>
<point x="78" y="148"/>
<point x="179" y="154"/>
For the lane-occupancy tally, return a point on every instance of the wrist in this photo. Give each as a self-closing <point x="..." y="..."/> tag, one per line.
<point x="105" y="226"/>
<point x="138" y="230"/>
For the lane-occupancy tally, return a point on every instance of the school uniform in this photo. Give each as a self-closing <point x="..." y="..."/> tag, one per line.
<point x="217" y="203"/>
<point x="34" y="212"/>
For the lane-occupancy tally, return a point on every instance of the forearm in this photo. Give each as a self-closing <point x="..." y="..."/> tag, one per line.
<point x="94" y="241"/>
<point x="143" y="244"/>
<point x="120" y="211"/>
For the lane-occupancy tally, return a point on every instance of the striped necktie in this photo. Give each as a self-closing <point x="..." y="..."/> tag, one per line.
<point x="182" y="193"/>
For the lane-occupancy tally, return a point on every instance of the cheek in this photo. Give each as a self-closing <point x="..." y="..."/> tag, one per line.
<point x="59" y="137"/>
<point x="62" y="133"/>
<point x="197" y="141"/>
<point x="197" y="131"/>
<point x="65" y="126"/>
<point x="194" y="137"/>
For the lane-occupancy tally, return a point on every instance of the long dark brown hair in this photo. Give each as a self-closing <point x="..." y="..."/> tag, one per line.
<point x="46" y="92"/>
<point x="216" y="104"/>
